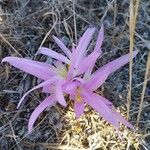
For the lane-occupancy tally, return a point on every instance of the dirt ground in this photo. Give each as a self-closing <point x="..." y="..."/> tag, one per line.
<point x="23" y="26"/>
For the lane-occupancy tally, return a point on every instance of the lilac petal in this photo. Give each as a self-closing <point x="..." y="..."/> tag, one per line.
<point x="48" y="89"/>
<point x="79" y="109"/>
<point x="107" y="106"/>
<point x="122" y="120"/>
<point x="62" y="46"/>
<point x="99" y="77"/>
<point x="88" y="63"/>
<point x="96" y="102"/>
<point x="59" y="94"/>
<point x="70" y="88"/>
<point x="106" y="101"/>
<point x="71" y="68"/>
<point x="82" y="46"/>
<point x="121" y="61"/>
<point x="53" y="54"/>
<point x="96" y="49"/>
<point x="45" y="83"/>
<point x="99" y="40"/>
<point x="49" y="101"/>
<point x="41" y="70"/>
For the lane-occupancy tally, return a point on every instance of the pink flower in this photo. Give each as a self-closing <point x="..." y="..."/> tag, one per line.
<point x="55" y="76"/>
<point x="71" y="74"/>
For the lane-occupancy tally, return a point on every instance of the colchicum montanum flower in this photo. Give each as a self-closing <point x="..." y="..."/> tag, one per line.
<point x="72" y="74"/>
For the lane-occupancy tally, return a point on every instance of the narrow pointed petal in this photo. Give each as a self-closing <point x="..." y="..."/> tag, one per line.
<point x="59" y="94"/>
<point x="96" y="49"/>
<point x="106" y="101"/>
<point x="97" y="79"/>
<point x="62" y="46"/>
<point x="48" y="89"/>
<point x="79" y="109"/>
<point x="97" y="103"/>
<point x="45" y="83"/>
<point x="119" y="62"/>
<point x="113" y="112"/>
<point x="122" y="120"/>
<point x="72" y="64"/>
<point x="100" y="76"/>
<point x="99" y="40"/>
<point x="41" y="70"/>
<point x="82" y="46"/>
<point x="49" y="101"/>
<point x="53" y="54"/>
<point x="87" y="63"/>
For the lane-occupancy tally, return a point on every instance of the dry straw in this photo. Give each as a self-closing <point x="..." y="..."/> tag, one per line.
<point x="134" y="5"/>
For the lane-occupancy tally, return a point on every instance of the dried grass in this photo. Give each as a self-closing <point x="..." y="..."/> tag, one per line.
<point x="134" y="5"/>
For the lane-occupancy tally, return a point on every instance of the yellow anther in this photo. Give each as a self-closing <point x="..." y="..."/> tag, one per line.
<point x="68" y="66"/>
<point x="78" y="97"/>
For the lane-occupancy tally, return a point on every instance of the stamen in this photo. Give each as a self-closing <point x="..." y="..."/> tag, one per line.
<point x="78" y="97"/>
<point x="68" y="66"/>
